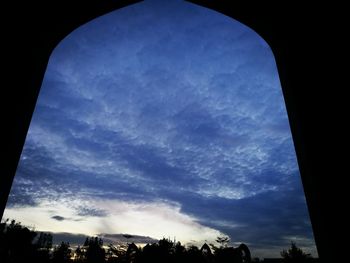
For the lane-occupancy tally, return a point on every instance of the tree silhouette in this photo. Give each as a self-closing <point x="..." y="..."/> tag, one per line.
<point x="79" y="255"/>
<point x="179" y="252"/>
<point x="44" y="241"/>
<point x="224" y="253"/>
<point x="16" y="242"/>
<point x="149" y="254"/>
<point x="95" y="253"/>
<point x="194" y="254"/>
<point x="295" y="255"/>
<point x="62" y="253"/>
<point x="223" y="241"/>
<point x="43" y="246"/>
<point x="163" y="251"/>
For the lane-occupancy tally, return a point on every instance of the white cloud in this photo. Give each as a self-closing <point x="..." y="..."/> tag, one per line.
<point x="155" y="219"/>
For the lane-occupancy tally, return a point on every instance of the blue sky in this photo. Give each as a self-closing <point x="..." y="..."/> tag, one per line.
<point x="163" y="119"/>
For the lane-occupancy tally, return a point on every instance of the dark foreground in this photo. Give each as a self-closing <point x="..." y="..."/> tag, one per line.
<point x="20" y="244"/>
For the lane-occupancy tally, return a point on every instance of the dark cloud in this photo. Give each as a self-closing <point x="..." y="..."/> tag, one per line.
<point x="127" y="238"/>
<point x="86" y="211"/>
<point x="79" y="239"/>
<point x="73" y="239"/>
<point x="264" y="220"/>
<point x="58" y="218"/>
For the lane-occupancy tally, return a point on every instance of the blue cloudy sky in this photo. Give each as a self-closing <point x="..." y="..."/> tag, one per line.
<point x="163" y="119"/>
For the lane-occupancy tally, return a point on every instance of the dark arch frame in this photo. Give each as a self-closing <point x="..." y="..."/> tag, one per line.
<point x="288" y="28"/>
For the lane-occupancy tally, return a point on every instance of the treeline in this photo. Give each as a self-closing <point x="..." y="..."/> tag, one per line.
<point x="20" y="244"/>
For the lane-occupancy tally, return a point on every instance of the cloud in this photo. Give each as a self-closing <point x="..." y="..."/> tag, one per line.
<point x="18" y="199"/>
<point x="79" y="239"/>
<point x="85" y="211"/>
<point x="150" y="219"/>
<point x="58" y="218"/>
<point x="125" y="238"/>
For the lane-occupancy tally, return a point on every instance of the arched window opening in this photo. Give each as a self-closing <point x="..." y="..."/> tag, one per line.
<point x="163" y="119"/>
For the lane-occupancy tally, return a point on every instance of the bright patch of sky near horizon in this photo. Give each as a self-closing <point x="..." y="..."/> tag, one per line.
<point x="163" y="119"/>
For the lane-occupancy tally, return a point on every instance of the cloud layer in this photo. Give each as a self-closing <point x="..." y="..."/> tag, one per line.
<point x="164" y="107"/>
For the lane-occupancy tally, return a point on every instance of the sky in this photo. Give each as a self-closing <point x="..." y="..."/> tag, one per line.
<point x="163" y="119"/>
